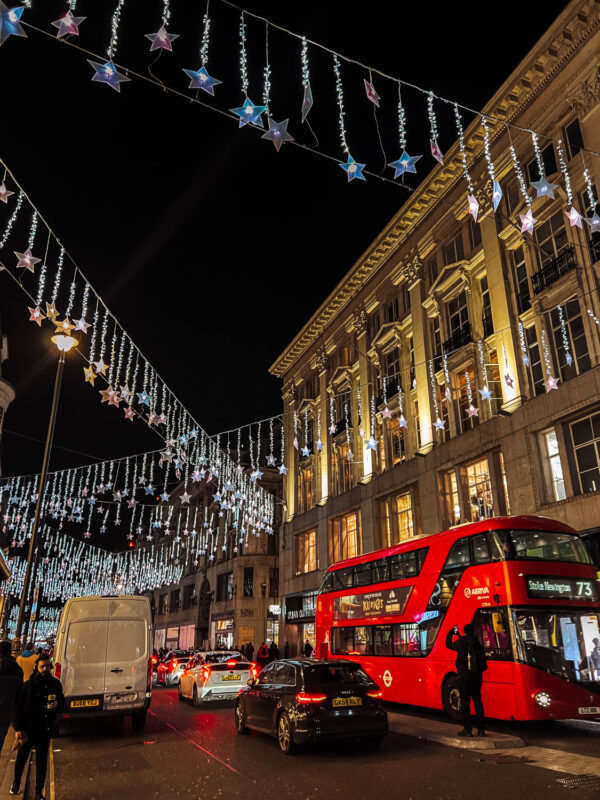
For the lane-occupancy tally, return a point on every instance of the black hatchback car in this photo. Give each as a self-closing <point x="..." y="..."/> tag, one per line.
<point x="300" y="700"/>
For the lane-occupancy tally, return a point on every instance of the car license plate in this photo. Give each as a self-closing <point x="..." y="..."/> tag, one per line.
<point x="340" y="702"/>
<point x="231" y="677"/>
<point x="86" y="702"/>
<point x="589" y="710"/>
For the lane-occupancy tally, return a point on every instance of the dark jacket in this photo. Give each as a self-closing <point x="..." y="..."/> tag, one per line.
<point x="32" y="713"/>
<point x="470" y="657"/>
<point x="11" y="686"/>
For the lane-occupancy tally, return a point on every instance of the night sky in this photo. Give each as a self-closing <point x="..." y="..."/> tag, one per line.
<point x="211" y="248"/>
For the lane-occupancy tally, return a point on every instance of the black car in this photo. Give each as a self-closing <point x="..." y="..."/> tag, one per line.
<point x="300" y="699"/>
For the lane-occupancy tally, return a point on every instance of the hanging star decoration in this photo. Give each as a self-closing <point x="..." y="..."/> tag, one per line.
<point x="27" y="260"/>
<point x="332" y="428"/>
<point x="551" y="383"/>
<point x="277" y="133"/>
<point x="319" y="446"/>
<point x="282" y="470"/>
<point x="371" y="93"/>
<point x="527" y="222"/>
<point x="402" y="421"/>
<point x="574" y="217"/>
<point x="307" y="101"/>
<point x="353" y="169"/>
<point x="496" y="195"/>
<point x="144" y="398"/>
<point x="36" y="315"/>
<point x="371" y="443"/>
<point x="404" y="164"/>
<point x="107" y="394"/>
<point x="81" y="325"/>
<point x="10" y="24"/>
<point x="305" y="452"/>
<point x="439" y="424"/>
<point x="436" y="152"/>
<point x="100" y="366"/>
<point x="544" y="188"/>
<point x="594" y="222"/>
<point x="473" y="206"/>
<point x="508" y="380"/>
<point x="485" y="393"/>
<point x="249" y="113"/>
<point x="386" y="413"/>
<point x="64" y="326"/>
<point x="185" y="497"/>
<point x="4" y="193"/>
<point x="162" y="39"/>
<point x="200" y="79"/>
<point x="109" y="74"/>
<point x="569" y="359"/>
<point x="51" y="311"/>
<point x="271" y="460"/>
<point x="472" y="410"/>
<point x="68" y="25"/>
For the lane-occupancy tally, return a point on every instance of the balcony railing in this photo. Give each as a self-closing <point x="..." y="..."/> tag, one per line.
<point x="459" y="339"/>
<point x="595" y="248"/>
<point x="553" y="270"/>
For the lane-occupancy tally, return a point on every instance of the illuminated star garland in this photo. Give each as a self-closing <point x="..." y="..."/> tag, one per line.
<point x="565" y="338"/>
<point x="351" y="167"/>
<point x="433" y="137"/>
<point x="472" y="410"/>
<point x="307" y="99"/>
<point x="523" y="343"/>
<point x="485" y="392"/>
<point x="572" y="214"/>
<point x="438" y="424"/>
<point x="473" y="202"/>
<point x="496" y="188"/>
<point x="551" y="382"/>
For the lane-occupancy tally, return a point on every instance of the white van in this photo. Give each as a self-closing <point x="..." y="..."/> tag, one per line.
<point x="102" y="657"/>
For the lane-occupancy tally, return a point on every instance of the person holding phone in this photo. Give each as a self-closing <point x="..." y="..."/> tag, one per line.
<point x="471" y="663"/>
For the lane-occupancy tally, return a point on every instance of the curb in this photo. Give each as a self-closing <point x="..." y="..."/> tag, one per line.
<point x="445" y="733"/>
<point x="9" y="771"/>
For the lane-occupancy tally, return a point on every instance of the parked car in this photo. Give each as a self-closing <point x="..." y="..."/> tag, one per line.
<point x="168" y="671"/>
<point x="300" y="700"/>
<point x="215" y="675"/>
<point x="102" y="657"/>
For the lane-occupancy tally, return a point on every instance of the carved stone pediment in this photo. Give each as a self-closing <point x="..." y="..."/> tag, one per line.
<point x="412" y="270"/>
<point x="361" y="322"/>
<point x="586" y="96"/>
<point x="321" y="361"/>
<point x="390" y="331"/>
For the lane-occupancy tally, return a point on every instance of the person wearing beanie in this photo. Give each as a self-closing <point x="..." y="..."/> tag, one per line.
<point x="27" y="660"/>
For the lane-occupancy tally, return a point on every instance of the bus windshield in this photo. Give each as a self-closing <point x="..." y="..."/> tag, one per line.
<point x="564" y="643"/>
<point x="547" y="545"/>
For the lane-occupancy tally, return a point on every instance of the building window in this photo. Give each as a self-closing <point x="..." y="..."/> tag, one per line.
<point x="458" y="314"/>
<point x="305" y="552"/>
<point x="273" y="582"/>
<point x="486" y="307"/>
<point x="474" y="233"/>
<point x="341" y="468"/>
<point x="572" y="138"/>
<point x="555" y="466"/>
<point x="346" y="355"/>
<point x="436" y="341"/>
<point x="391" y="311"/>
<point x="395" y="519"/>
<point x="521" y="282"/>
<point x="585" y="434"/>
<point x="305" y="489"/>
<point x="189" y="596"/>
<point x="504" y="483"/>
<point x="174" y="604"/>
<point x="391" y="364"/>
<point x="454" y="251"/>
<point x="417" y="419"/>
<point x="225" y="586"/>
<point x="432" y="270"/>
<point x="535" y="370"/>
<point x="551" y="238"/>
<point x="512" y="196"/>
<point x="479" y="487"/>
<point x="398" y="441"/>
<point x="344" y="537"/>
<point x="548" y="160"/>
<point x="575" y="337"/>
<point x="163" y="606"/>
<point x="468" y="419"/>
<point x="248" y="581"/>
<point x="450" y="499"/>
<point x="380" y="437"/>
<point x="374" y="325"/>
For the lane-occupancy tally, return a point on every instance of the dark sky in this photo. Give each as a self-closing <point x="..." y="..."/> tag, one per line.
<point x="212" y="249"/>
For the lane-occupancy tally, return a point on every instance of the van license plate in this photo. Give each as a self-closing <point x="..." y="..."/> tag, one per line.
<point x="86" y="702"/>
<point x="589" y="710"/>
<point x="231" y="677"/>
<point x="340" y="702"/>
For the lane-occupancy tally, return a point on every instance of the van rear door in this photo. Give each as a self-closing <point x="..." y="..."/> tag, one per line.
<point x="84" y="663"/>
<point x="126" y="660"/>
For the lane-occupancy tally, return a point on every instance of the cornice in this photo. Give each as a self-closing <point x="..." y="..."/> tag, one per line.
<point x="575" y="26"/>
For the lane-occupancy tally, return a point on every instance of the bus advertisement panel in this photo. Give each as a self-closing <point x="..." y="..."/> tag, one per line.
<point x="526" y="583"/>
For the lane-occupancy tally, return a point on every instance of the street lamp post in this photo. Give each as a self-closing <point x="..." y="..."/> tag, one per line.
<point x="64" y="342"/>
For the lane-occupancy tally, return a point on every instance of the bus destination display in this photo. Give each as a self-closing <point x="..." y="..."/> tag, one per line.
<point x="372" y="604"/>
<point x="559" y="587"/>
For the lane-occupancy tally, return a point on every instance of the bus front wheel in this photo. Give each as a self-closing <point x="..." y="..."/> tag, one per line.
<point x="451" y="699"/>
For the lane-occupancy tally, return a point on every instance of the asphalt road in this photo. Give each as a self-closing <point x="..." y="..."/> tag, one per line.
<point x="190" y="753"/>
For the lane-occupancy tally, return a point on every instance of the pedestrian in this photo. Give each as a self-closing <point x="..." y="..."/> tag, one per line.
<point x="273" y="652"/>
<point x="242" y="650"/>
<point x="286" y="650"/>
<point x="11" y="686"/>
<point x="594" y="659"/>
<point x="27" y="660"/>
<point x="308" y="649"/>
<point x="249" y="651"/>
<point x="37" y="706"/>
<point x="471" y="663"/>
<point x="263" y="655"/>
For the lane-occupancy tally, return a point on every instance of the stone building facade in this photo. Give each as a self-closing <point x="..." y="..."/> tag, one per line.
<point x="425" y="379"/>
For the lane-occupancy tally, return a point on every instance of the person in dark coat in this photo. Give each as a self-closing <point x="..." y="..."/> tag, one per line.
<point x="262" y="656"/>
<point x="242" y="650"/>
<point x="249" y="651"/>
<point x="273" y="652"/>
<point x="286" y="650"/>
<point x="307" y="649"/>
<point x="11" y="686"/>
<point x="470" y="665"/>
<point x="37" y="706"/>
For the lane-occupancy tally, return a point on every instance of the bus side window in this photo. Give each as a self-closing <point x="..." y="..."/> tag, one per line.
<point x="459" y="556"/>
<point x="343" y="579"/>
<point x="362" y="574"/>
<point x="342" y="641"/>
<point x="481" y="549"/>
<point x="491" y="628"/>
<point x="381" y="570"/>
<point x="326" y="583"/>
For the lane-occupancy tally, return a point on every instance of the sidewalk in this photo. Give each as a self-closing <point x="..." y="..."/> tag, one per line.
<point x="446" y="733"/>
<point x="7" y="764"/>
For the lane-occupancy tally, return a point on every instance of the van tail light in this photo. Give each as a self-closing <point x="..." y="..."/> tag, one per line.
<point x="205" y="674"/>
<point x="149" y="675"/>
<point x="307" y="698"/>
<point x="376" y="693"/>
<point x="254" y="670"/>
<point x="232" y="663"/>
<point x="57" y="670"/>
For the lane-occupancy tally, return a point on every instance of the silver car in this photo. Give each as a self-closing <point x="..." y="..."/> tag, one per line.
<point x="215" y="675"/>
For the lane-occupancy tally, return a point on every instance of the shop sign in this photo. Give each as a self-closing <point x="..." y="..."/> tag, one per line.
<point x="301" y="608"/>
<point x="246" y="612"/>
<point x="275" y="610"/>
<point x="372" y="604"/>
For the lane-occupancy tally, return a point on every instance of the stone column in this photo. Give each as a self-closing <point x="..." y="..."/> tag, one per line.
<point x="323" y="456"/>
<point x="366" y="391"/>
<point x="413" y="272"/>
<point x="291" y="454"/>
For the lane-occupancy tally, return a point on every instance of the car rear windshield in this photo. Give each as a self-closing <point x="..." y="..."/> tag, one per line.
<point x="326" y="675"/>
<point x="218" y="658"/>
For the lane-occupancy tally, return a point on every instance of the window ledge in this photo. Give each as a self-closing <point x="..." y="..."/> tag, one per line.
<point x="567" y="500"/>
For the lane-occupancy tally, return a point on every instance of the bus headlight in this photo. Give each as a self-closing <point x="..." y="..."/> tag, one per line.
<point x="543" y="699"/>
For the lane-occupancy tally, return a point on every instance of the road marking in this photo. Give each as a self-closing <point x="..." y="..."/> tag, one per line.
<point x="556" y="760"/>
<point x="195" y="744"/>
<point x="52" y="788"/>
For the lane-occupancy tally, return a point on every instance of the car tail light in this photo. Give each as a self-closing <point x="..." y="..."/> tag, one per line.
<point x="254" y="670"/>
<point x="205" y="674"/>
<point x="57" y="670"/>
<point x="375" y="693"/>
<point x="306" y="698"/>
<point x="172" y="666"/>
<point x="153" y="660"/>
<point x="232" y="663"/>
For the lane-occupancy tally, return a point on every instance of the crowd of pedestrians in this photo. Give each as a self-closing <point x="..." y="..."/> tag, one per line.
<point x="264" y="654"/>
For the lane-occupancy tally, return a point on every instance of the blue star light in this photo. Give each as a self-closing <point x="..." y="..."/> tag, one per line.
<point x="10" y="22"/>
<point x="485" y="393"/>
<point x="305" y="452"/>
<point x="200" y="79"/>
<point x="108" y="73"/>
<point x="404" y="164"/>
<point x="371" y="444"/>
<point x="164" y="496"/>
<point x="277" y="133"/>
<point x="353" y="169"/>
<point x="307" y="101"/>
<point x="249" y="113"/>
<point x="544" y="188"/>
<point x="143" y="398"/>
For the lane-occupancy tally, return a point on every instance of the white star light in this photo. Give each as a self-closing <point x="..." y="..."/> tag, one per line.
<point x="439" y="424"/>
<point x="527" y="222"/>
<point x="473" y="206"/>
<point x="574" y="217"/>
<point x="371" y="443"/>
<point x="551" y="383"/>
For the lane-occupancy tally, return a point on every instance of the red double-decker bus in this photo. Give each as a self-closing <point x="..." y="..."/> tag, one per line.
<point x="528" y="585"/>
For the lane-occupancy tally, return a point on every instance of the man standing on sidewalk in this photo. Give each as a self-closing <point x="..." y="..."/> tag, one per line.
<point x="471" y="663"/>
<point x="40" y="701"/>
<point x="11" y="685"/>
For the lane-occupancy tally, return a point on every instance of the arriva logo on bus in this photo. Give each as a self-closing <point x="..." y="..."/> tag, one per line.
<point x="477" y="591"/>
